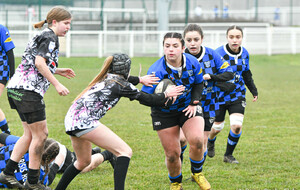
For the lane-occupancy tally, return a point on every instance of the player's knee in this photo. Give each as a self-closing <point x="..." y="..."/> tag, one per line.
<point x="218" y="127"/>
<point x="126" y="151"/>
<point x="197" y="145"/>
<point x="236" y="120"/>
<point x="183" y="142"/>
<point x="171" y="158"/>
<point x="83" y="163"/>
<point x="237" y="130"/>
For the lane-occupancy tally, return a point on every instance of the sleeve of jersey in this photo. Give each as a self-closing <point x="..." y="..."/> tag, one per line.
<point x="247" y="76"/>
<point x="226" y="76"/>
<point x="129" y="90"/>
<point x="196" y="94"/>
<point x="45" y="46"/>
<point x="134" y="80"/>
<point x="152" y="100"/>
<point x="11" y="62"/>
<point x="133" y="93"/>
<point x="6" y="40"/>
<point x="198" y="71"/>
<point x="224" y="70"/>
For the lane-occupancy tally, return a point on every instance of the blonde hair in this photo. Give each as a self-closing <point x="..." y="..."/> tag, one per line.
<point x="101" y="75"/>
<point x="57" y="13"/>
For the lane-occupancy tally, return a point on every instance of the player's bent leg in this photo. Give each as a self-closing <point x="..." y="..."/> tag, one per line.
<point x="103" y="137"/>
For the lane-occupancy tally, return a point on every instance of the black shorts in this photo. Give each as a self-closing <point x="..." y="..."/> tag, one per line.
<point x="165" y="120"/>
<point x="208" y="122"/>
<point x="234" y="107"/>
<point x="29" y="105"/>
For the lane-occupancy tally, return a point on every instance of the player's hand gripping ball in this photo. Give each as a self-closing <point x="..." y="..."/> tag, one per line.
<point x="162" y="86"/>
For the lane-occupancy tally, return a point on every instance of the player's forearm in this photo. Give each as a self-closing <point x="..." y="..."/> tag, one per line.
<point x="226" y="76"/>
<point x="40" y="64"/>
<point x="11" y="62"/>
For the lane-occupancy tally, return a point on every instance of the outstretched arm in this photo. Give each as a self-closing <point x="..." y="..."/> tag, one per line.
<point x="147" y="80"/>
<point x="226" y="76"/>
<point x="161" y="99"/>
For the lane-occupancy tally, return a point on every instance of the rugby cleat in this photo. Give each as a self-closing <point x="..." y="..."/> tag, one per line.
<point x="230" y="159"/>
<point x="37" y="186"/>
<point x="10" y="181"/>
<point x="176" y="186"/>
<point x="210" y="149"/>
<point x="201" y="181"/>
<point x="96" y="150"/>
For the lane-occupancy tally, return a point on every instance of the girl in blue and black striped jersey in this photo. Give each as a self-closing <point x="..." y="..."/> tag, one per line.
<point x="185" y="113"/>
<point x="234" y="101"/>
<point x="215" y="70"/>
<point x="7" y="68"/>
<point x="55" y="159"/>
<point x="21" y="173"/>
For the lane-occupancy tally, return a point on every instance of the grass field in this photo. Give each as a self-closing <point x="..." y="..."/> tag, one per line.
<point x="268" y="150"/>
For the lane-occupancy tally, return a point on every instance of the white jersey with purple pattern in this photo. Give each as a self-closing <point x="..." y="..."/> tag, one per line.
<point x="27" y="76"/>
<point x="93" y="105"/>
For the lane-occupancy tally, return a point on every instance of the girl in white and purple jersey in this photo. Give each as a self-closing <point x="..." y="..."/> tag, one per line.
<point x="25" y="94"/>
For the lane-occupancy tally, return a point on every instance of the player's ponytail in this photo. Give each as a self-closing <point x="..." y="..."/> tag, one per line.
<point x="51" y="150"/>
<point x="99" y="77"/>
<point x="39" y="24"/>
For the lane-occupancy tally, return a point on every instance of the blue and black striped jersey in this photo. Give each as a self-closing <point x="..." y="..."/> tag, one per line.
<point x="22" y="170"/>
<point x="239" y="63"/>
<point x="214" y="65"/>
<point x="6" y="44"/>
<point x="191" y="74"/>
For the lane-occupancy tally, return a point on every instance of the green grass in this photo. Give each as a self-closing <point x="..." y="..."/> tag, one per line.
<point x="268" y="150"/>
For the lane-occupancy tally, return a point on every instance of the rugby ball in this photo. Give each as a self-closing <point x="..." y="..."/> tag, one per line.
<point x="163" y="85"/>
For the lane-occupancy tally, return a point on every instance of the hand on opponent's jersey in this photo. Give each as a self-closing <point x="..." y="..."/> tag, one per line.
<point x="149" y="80"/>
